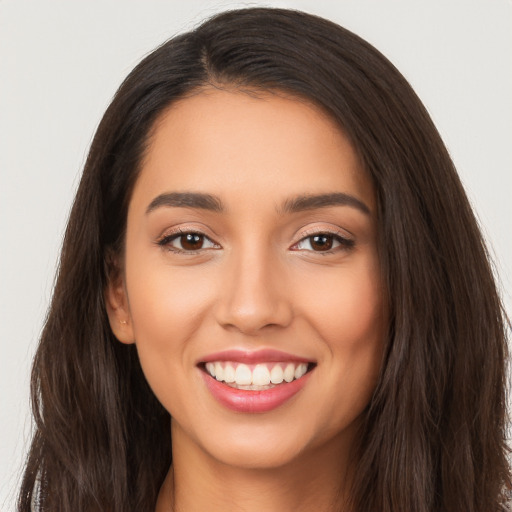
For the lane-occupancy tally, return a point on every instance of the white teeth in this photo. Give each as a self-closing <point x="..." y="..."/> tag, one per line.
<point x="229" y="373"/>
<point x="276" y="375"/>
<point x="301" y="370"/>
<point x="262" y="375"/>
<point x="289" y="373"/>
<point x="243" y="374"/>
<point x="219" y="372"/>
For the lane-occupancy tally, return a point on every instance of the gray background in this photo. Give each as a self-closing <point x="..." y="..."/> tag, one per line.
<point x="61" y="61"/>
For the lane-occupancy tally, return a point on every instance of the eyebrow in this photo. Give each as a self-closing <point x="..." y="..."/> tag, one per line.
<point x="187" y="200"/>
<point x="293" y="205"/>
<point x="312" y="202"/>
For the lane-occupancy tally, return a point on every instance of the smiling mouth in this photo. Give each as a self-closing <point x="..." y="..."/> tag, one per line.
<point x="256" y="377"/>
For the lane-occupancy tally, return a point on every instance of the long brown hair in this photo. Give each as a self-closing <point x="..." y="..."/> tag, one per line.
<point x="434" y="433"/>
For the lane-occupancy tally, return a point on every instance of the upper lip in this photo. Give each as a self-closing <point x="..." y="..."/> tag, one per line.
<point x="254" y="356"/>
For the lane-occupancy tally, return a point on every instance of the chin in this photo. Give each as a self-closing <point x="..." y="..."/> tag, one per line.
<point x="269" y="446"/>
<point x="255" y="456"/>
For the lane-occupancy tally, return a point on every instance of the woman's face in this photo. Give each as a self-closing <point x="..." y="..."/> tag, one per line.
<point x="251" y="255"/>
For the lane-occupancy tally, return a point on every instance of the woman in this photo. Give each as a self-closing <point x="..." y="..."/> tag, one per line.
<point x="272" y="293"/>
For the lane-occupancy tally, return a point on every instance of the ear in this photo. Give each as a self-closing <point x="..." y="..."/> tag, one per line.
<point x="118" y="310"/>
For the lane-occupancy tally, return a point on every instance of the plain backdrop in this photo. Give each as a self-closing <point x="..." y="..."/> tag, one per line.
<point x="61" y="62"/>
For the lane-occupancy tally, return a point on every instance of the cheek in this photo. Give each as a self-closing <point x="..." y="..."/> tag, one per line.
<point x="347" y="314"/>
<point x="167" y="307"/>
<point x="167" y="304"/>
<point x="346" y="306"/>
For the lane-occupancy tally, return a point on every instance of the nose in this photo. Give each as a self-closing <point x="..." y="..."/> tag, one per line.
<point x="254" y="294"/>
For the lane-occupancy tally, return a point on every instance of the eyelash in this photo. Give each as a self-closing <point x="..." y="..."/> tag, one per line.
<point x="166" y="240"/>
<point x="345" y="243"/>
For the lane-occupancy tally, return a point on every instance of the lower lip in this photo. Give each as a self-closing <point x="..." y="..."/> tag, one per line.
<point x="251" y="401"/>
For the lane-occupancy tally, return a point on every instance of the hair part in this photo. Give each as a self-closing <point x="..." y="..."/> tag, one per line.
<point x="433" y="437"/>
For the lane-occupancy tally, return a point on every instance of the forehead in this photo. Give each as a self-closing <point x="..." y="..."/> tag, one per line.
<point x="247" y="148"/>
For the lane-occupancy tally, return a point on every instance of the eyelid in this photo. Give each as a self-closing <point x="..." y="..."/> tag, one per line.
<point x="347" y="241"/>
<point x="171" y="234"/>
<point x="179" y="229"/>
<point x="317" y="230"/>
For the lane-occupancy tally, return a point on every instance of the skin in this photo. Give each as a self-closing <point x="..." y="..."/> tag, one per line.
<point x="259" y="283"/>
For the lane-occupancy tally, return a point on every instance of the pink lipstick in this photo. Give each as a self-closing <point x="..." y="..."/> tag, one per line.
<point x="254" y="381"/>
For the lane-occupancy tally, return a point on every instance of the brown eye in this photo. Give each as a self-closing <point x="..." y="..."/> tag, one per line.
<point x="191" y="241"/>
<point x="187" y="242"/>
<point x="324" y="242"/>
<point x="321" y="242"/>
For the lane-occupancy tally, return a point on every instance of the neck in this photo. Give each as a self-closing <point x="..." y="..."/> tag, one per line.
<point x="314" y="481"/>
